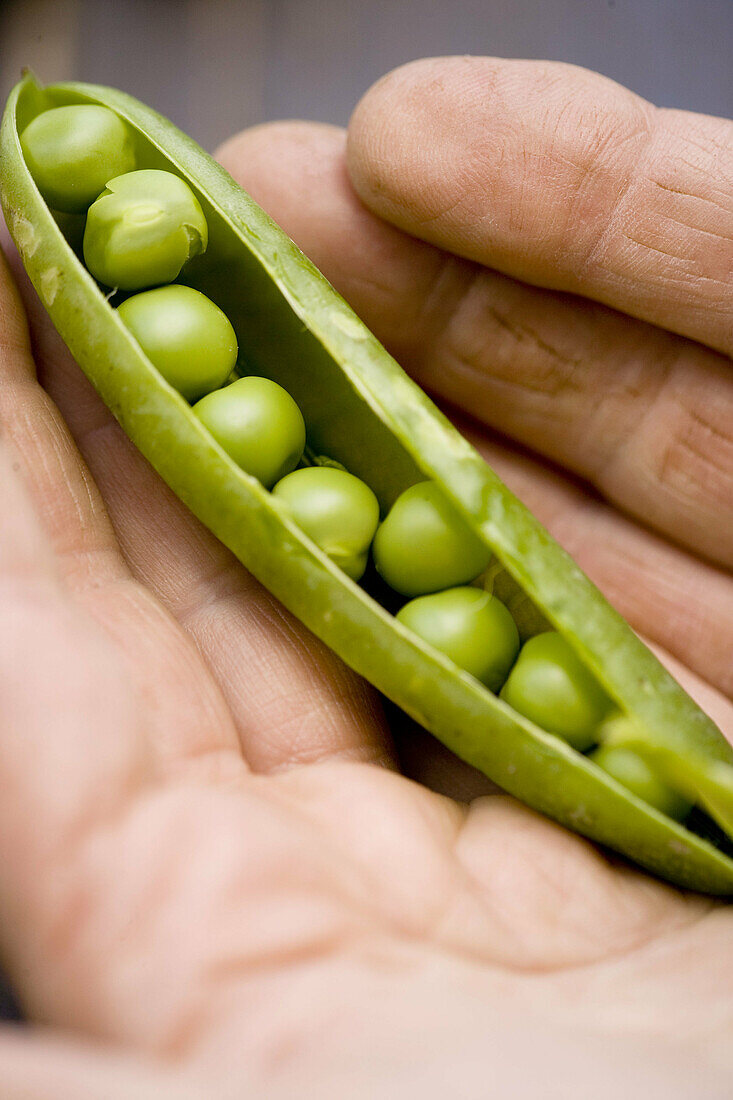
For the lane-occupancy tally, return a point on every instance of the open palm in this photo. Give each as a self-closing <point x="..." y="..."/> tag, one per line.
<point x="209" y="863"/>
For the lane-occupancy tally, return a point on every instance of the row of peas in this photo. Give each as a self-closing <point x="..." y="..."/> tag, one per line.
<point x="142" y="227"/>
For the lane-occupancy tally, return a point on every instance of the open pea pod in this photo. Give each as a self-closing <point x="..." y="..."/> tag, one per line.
<point x="706" y="782"/>
<point x="364" y="412"/>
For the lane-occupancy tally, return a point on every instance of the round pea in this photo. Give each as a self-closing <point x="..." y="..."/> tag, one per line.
<point x="142" y="229"/>
<point x="424" y="545"/>
<point x="335" y="509"/>
<point x="185" y="335"/>
<point x="258" y="424"/>
<point x="72" y="151"/>
<point x="551" y="686"/>
<point x="636" y="775"/>
<point x="471" y="627"/>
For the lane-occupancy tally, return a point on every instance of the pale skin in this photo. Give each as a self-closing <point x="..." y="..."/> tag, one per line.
<point x="213" y="879"/>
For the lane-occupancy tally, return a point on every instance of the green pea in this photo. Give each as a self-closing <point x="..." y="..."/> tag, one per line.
<point x="71" y="152"/>
<point x="550" y="685"/>
<point x="185" y="336"/>
<point x="636" y="775"/>
<point x="335" y="509"/>
<point x="142" y="229"/>
<point x="424" y="545"/>
<point x="258" y="424"/>
<point x="471" y="627"/>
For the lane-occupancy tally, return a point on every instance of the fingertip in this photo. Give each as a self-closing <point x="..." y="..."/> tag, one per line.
<point x="402" y="127"/>
<point x="272" y="157"/>
<point x="448" y="135"/>
<point x="557" y="176"/>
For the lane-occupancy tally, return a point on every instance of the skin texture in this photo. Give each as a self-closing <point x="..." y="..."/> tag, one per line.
<point x="143" y="229"/>
<point x="334" y="508"/>
<point x="73" y="151"/>
<point x="258" y="424"/>
<point x="471" y="627"/>
<point x="208" y="886"/>
<point x="552" y="687"/>
<point x="449" y="552"/>
<point x="185" y="335"/>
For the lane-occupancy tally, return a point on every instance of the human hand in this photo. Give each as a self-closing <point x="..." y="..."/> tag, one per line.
<point x="201" y="864"/>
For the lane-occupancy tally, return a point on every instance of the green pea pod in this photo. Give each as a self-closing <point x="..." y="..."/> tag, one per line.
<point x="704" y="781"/>
<point x="709" y="783"/>
<point x="365" y="413"/>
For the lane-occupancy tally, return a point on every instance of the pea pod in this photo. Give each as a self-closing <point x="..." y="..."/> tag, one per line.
<point x="365" y="413"/>
<point x="707" y="783"/>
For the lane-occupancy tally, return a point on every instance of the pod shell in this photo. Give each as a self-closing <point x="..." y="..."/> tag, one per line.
<point x="367" y="414"/>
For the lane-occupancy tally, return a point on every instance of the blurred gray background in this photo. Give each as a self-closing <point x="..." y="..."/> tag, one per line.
<point x="215" y="66"/>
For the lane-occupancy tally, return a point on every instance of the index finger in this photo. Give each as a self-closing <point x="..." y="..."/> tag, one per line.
<point x="560" y="177"/>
